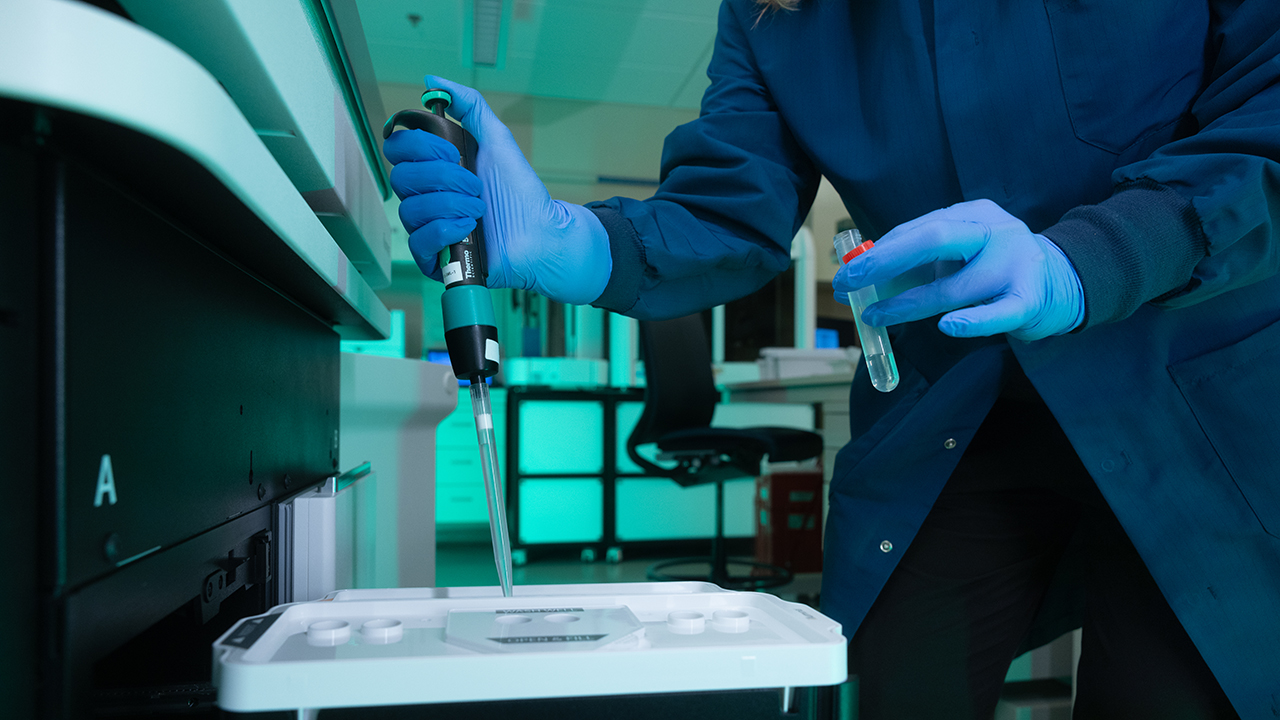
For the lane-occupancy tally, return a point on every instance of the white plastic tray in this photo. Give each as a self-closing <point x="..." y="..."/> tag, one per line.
<point x="358" y="648"/>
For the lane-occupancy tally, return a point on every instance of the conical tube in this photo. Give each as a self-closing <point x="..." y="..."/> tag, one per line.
<point x="876" y="351"/>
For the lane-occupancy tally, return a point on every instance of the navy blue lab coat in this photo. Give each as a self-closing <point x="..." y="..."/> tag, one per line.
<point x="1142" y="136"/>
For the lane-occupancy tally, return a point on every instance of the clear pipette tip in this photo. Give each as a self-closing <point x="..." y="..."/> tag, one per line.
<point x="492" y="483"/>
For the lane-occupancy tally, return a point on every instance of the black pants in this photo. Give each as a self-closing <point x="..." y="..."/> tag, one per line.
<point x="938" y="641"/>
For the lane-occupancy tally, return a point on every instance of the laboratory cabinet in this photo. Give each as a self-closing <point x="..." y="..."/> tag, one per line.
<point x="170" y="316"/>
<point x="460" y="495"/>
<point x="168" y="396"/>
<point x="391" y="408"/>
<point x="572" y="488"/>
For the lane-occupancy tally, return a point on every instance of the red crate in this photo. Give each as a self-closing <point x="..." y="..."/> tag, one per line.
<point x="789" y="520"/>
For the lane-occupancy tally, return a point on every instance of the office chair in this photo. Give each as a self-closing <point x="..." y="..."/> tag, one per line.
<point x="679" y="400"/>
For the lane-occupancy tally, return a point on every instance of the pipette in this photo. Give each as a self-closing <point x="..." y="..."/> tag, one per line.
<point x="470" y="332"/>
<point x="876" y="351"/>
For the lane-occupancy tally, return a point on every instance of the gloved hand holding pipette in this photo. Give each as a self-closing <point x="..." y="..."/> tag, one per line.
<point x="1012" y="281"/>
<point x="557" y="249"/>
<point x="441" y="179"/>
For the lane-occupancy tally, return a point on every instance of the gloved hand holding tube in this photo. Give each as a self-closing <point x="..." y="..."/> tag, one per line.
<point x="1012" y="280"/>
<point x="557" y="249"/>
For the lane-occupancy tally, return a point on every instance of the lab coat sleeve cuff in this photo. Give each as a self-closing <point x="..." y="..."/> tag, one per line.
<point x="1141" y="244"/>
<point x="623" y="290"/>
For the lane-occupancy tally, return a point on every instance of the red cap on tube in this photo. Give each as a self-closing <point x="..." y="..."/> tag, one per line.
<point x="857" y="251"/>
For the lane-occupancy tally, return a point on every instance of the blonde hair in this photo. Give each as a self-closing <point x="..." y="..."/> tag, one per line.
<point x="769" y="6"/>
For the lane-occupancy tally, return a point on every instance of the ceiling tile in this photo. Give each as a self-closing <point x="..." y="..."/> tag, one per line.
<point x="632" y="51"/>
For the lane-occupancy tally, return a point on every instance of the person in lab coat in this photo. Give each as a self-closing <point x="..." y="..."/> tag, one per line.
<point x="1087" y="428"/>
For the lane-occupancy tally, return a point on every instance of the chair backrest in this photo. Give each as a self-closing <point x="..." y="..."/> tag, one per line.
<point x="680" y="391"/>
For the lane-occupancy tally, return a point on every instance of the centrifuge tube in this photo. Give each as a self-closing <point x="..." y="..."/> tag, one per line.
<point x="875" y="341"/>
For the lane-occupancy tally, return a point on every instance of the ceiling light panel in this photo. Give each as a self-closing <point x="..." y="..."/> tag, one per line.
<point x="486" y="32"/>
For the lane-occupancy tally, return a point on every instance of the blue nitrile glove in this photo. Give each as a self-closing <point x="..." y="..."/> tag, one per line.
<point x="557" y="249"/>
<point x="1012" y="281"/>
